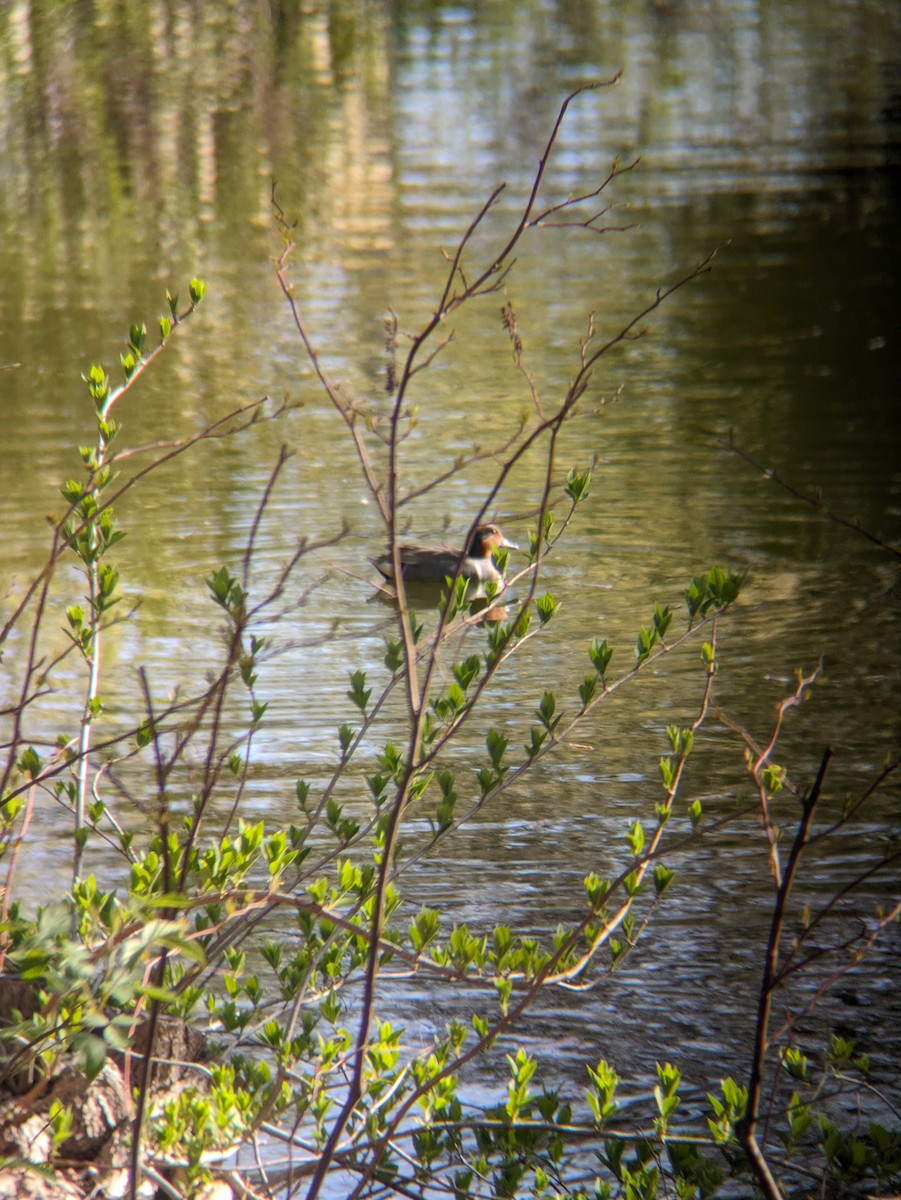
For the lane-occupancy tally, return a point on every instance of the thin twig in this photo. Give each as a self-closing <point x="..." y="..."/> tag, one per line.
<point x="746" y="1128"/>
<point x="812" y="499"/>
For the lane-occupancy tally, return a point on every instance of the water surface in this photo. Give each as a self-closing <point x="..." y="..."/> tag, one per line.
<point x="130" y="165"/>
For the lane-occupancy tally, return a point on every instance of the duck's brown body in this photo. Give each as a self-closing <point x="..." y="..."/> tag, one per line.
<point x="431" y="564"/>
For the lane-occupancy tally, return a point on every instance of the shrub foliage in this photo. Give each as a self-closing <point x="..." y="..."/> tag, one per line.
<point x="226" y="992"/>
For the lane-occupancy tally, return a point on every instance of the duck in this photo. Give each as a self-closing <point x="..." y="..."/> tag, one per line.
<point x="432" y="564"/>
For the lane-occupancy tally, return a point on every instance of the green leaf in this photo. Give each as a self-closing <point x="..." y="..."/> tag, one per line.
<point x="795" y="1063"/>
<point x="662" y="618"/>
<point x="91" y="1051"/>
<point x="537" y="740"/>
<point x="137" y="336"/>
<point x="547" y="607"/>
<point x="345" y="739"/>
<point x="598" y="891"/>
<point x="636" y="839"/>
<point x="394" y="656"/>
<point x="577" y="485"/>
<point x="359" y="693"/>
<point x="497" y="748"/>
<point x="647" y="639"/>
<point x="588" y="689"/>
<point x="600" y="654"/>
<point x="663" y="877"/>
<point x="30" y="763"/>
<point x="667" y="772"/>
<point x="466" y="671"/>
<point x="717" y="589"/>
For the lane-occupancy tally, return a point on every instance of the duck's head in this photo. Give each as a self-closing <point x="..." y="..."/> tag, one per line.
<point x="486" y="539"/>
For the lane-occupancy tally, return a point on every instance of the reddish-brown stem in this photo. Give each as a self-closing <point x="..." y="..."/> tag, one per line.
<point x="747" y="1126"/>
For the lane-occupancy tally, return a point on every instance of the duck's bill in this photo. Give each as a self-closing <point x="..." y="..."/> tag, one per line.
<point x="509" y="545"/>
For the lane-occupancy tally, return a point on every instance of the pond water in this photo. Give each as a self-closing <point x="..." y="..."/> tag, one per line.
<point x="768" y="133"/>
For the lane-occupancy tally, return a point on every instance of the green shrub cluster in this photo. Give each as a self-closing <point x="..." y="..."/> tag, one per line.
<point x="277" y="941"/>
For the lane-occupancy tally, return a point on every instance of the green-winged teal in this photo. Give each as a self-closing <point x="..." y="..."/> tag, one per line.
<point x="431" y="564"/>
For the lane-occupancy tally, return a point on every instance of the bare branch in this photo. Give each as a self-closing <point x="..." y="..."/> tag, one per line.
<point x="747" y="1126"/>
<point x="815" y="501"/>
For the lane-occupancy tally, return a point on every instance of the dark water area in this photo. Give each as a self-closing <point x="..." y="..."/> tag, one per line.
<point x="138" y="148"/>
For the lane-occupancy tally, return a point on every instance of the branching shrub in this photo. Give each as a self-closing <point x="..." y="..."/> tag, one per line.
<point x="280" y="942"/>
